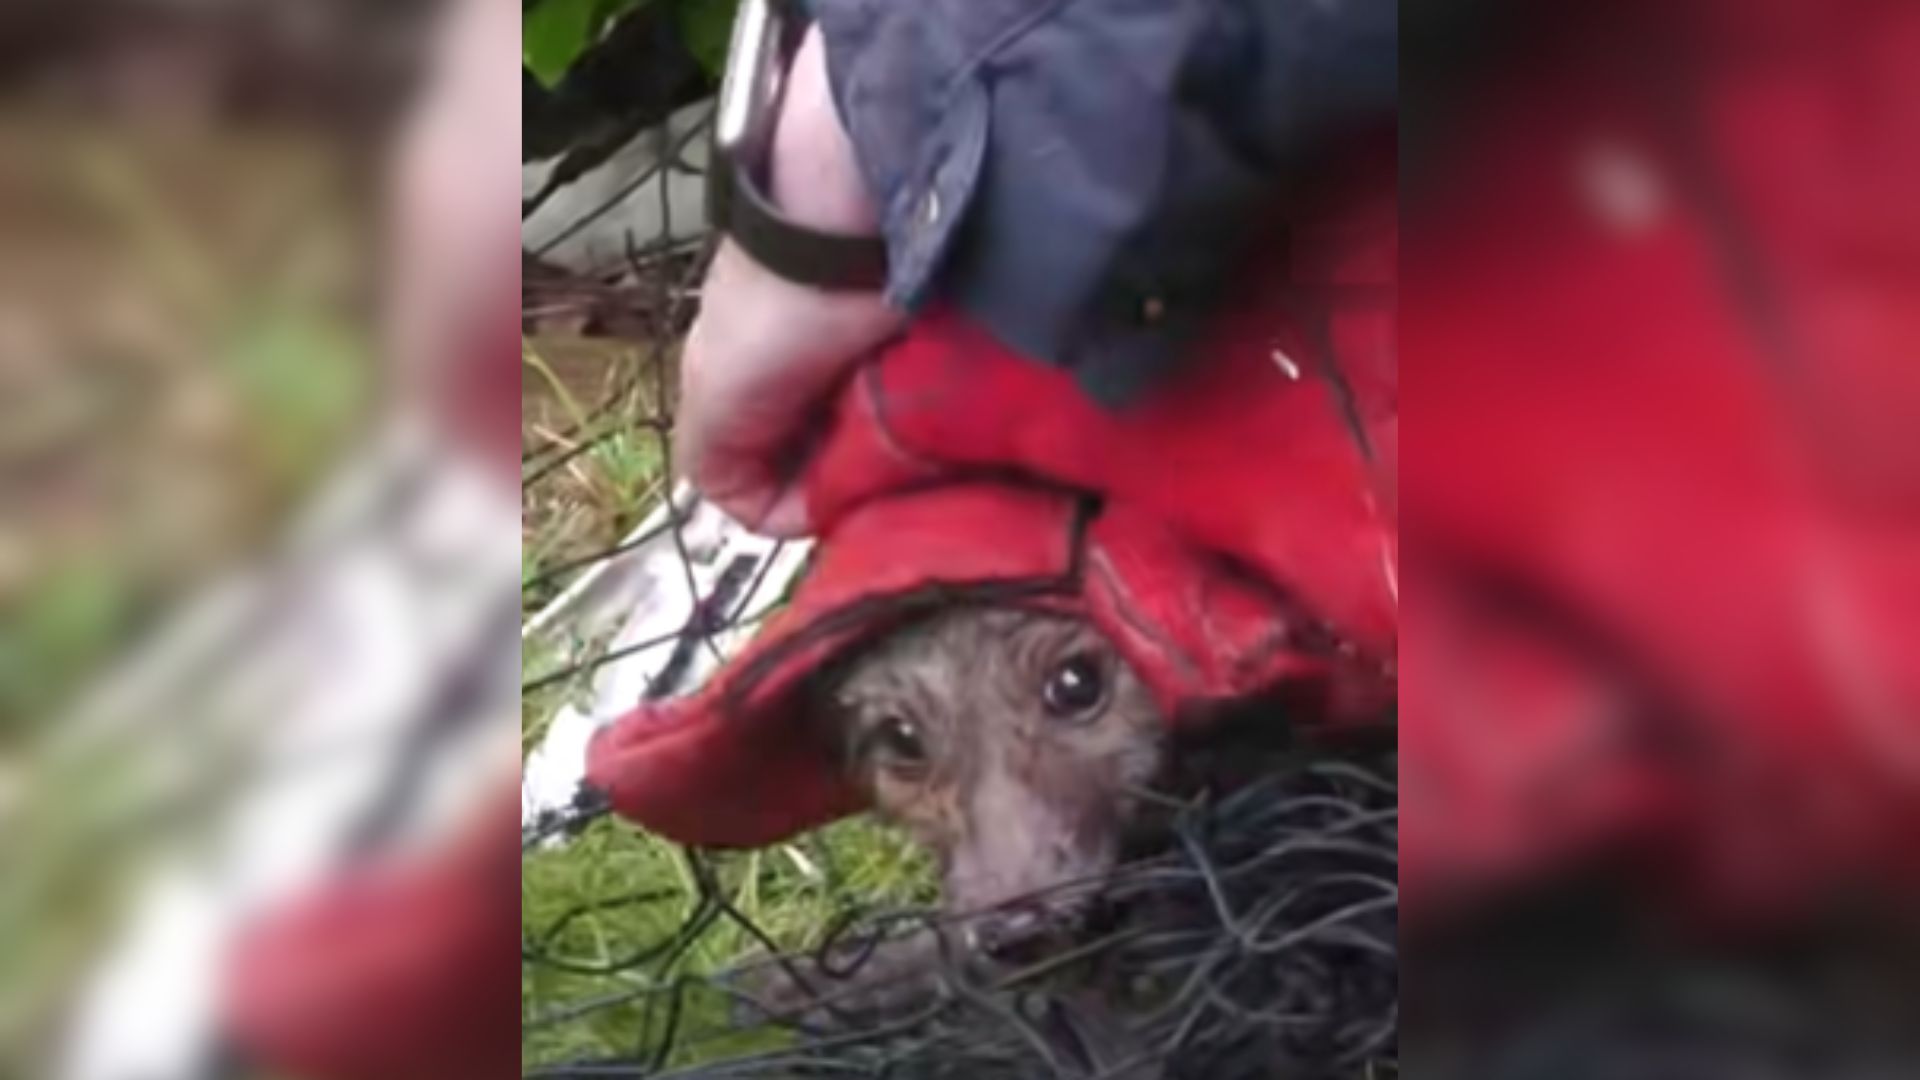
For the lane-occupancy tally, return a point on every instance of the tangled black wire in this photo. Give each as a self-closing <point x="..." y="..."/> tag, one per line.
<point x="1254" y="936"/>
<point x="1260" y="940"/>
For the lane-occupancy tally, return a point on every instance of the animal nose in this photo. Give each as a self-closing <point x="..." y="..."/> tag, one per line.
<point x="1011" y="935"/>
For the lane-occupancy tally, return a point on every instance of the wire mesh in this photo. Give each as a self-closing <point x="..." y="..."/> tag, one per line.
<point x="1259" y="940"/>
<point x="1255" y="938"/>
<point x="1254" y="935"/>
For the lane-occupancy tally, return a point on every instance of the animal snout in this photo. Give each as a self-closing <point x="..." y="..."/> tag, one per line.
<point x="1019" y="933"/>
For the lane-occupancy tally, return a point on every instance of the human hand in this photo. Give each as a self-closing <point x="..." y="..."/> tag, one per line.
<point x="765" y="351"/>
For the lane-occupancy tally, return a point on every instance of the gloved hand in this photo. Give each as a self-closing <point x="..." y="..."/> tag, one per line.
<point x="766" y="352"/>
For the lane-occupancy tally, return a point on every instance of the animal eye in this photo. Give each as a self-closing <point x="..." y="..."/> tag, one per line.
<point x="896" y="743"/>
<point x="1074" y="687"/>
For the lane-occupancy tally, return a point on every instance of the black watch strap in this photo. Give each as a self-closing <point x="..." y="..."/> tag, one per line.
<point x="738" y="208"/>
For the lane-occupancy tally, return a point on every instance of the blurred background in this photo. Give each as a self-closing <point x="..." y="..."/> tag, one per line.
<point x="187" y="292"/>
<point x="1659" y="715"/>
<point x="222" y="494"/>
<point x="263" y="591"/>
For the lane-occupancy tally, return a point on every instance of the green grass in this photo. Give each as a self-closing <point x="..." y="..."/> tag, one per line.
<point x="583" y="403"/>
<point x="794" y="892"/>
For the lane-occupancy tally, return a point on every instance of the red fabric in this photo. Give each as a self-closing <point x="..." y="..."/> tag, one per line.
<point x="393" y="972"/>
<point x="1232" y="535"/>
<point x="1684" y="433"/>
<point x="1662" y="485"/>
<point x="737" y="763"/>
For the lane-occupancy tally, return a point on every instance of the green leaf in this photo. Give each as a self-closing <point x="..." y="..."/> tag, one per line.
<point x="554" y="33"/>
<point x="706" y="26"/>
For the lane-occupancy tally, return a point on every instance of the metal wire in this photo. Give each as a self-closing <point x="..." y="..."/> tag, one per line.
<point x="1259" y="940"/>
<point x="1254" y="936"/>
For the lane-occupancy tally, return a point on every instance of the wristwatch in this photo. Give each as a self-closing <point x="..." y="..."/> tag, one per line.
<point x="766" y="33"/>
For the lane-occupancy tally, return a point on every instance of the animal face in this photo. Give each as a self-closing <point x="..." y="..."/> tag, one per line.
<point x="1008" y="742"/>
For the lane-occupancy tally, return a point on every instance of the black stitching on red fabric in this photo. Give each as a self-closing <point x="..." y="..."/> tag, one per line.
<point x="1327" y="361"/>
<point x="875" y="391"/>
<point x="875" y="612"/>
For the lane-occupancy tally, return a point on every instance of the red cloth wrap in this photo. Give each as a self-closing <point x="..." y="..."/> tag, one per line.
<point x="1668" y="596"/>
<point x="1665" y="488"/>
<point x="1232" y="535"/>
<point x="1662" y="473"/>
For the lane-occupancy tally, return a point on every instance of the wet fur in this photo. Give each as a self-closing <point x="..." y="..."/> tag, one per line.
<point x="1016" y="804"/>
<point x="1015" y="800"/>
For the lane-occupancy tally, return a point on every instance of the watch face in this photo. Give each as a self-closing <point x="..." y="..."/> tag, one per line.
<point x="750" y="90"/>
